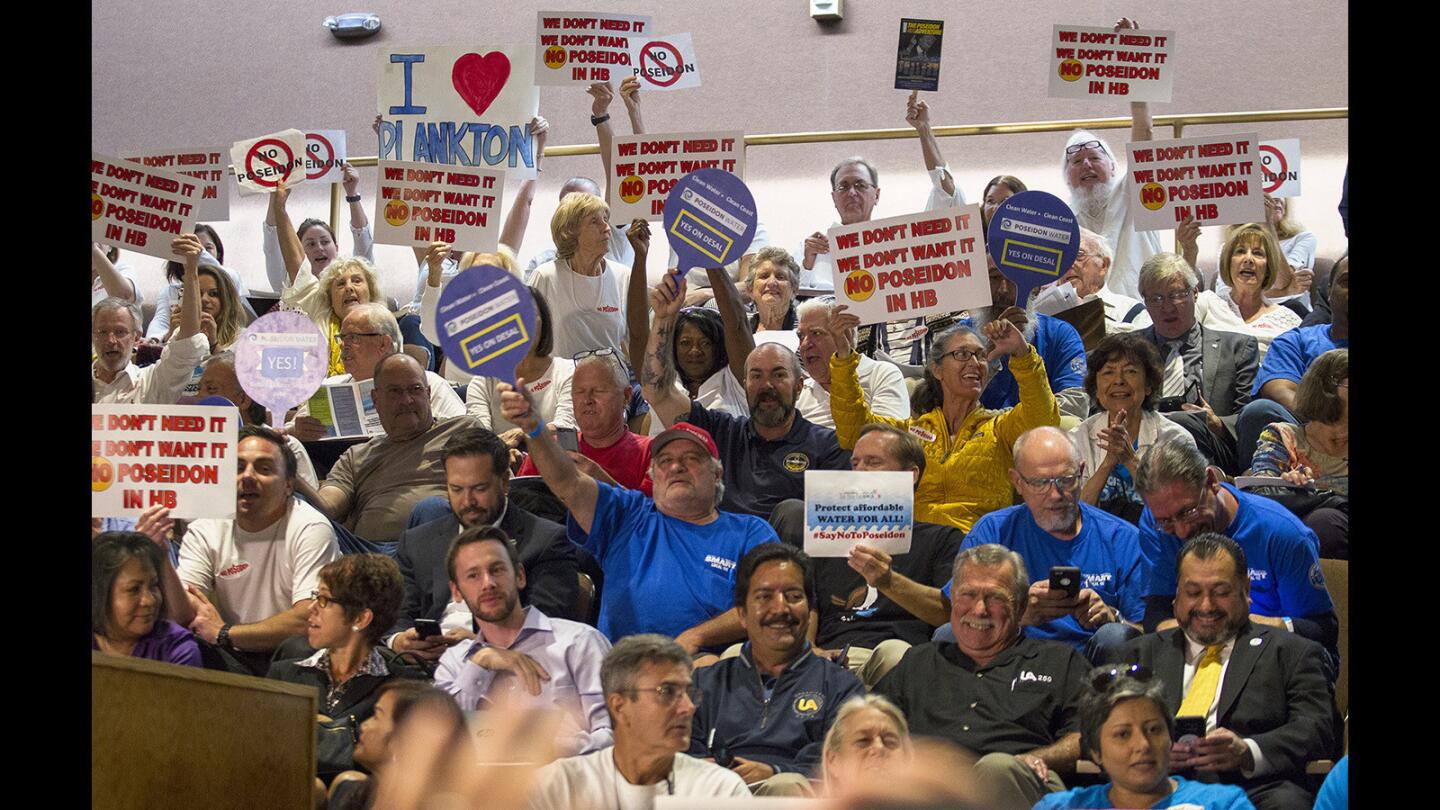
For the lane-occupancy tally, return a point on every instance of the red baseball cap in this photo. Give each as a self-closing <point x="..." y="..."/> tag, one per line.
<point x="685" y="430"/>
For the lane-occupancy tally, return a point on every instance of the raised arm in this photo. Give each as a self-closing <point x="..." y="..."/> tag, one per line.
<point x="1037" y="404"/>
<point x="575" y="489"/>
<point x="630" y="94"/>
<point x="350" y="180"/>
<point x="1139" y="110"/>
<point x="187" y="246"/>
<point x="739" y="340"/>
<point x="513" y="232"/>
<point x="603" y="94"/>
<point x="658" y="381"/>
<point x="917" y="115"/>
<point x="115" y="284"/>
<point x="290" y="250"/>
<point x="637" y="308"/>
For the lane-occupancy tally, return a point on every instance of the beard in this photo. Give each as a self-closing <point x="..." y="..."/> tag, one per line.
<point x="1059" y="521"/>
<point x="769" y="410"/>
<point x="1091" y="204"/>
<point x="500" y="613"/>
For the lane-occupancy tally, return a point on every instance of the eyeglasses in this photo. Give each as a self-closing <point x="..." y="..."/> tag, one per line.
<point x="668" y="693"/>
<point x="1105" y="679"/>
<point x="1070" y="150"/>
<point x="608" y="351"/>
<point x="351" y="338"/>
<point x="859" y="186"/>
<point x="1183" y="516"/>
<point x="1064" y="483"/>
<point x="978" y="355"/>
<point x="322" y="601"/>
<point x="993" y="601"/>
<point x="118" y="334"/>
<point x="1175" y="298"/>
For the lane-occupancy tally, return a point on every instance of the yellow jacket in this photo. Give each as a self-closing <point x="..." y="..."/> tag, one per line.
<point x="966" y="476"/>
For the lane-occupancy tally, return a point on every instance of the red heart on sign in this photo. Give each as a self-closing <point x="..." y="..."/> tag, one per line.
<point x="479" y="79"/>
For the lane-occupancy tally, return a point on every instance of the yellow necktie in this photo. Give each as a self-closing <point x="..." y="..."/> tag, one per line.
<point x="1202" y="687"/>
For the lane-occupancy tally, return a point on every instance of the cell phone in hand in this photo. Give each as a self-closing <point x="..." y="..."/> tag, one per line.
<point x="425" y="628"/>
<point x="568" y="438"/>
<point x="1189" y="729"/>
<point x="1065" y="578"/>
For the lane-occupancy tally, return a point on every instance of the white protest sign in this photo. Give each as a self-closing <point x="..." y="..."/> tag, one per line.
<point x="261" y="163"/>
<point x="324" y="155"/>
<point x="459" y="106"/>
<point x="1280" y="167"/>
<point x="420" y="203"/>
<point x="1212" y="179"/>
<point x="208" y="165"/>
<point x="844" y="508"/>
<point x="911" y="266"/>
<point x="645" y="167"/>
<point x="1105" y="63"/>
<point x="178" y="456"/>
<point x="139" y="208"/>
<point x="665" y="63"/>
<point x="578" y="47"/>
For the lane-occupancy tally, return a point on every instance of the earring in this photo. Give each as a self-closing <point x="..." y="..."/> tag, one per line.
<point x="355" y="627"/>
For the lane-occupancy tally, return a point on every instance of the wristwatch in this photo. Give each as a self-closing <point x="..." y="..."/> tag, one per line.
<point x="222" y="639"/>
<point x="597" y="120"/>
<point x="356" y="198"/>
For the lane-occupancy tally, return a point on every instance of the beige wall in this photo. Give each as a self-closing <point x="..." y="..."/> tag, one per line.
<point x="201" y="74"/>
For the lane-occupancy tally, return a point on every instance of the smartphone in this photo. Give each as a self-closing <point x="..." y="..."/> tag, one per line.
<point x="568" y="439"/>
<point x="1170" y="404"/>
<point x="1065" y="578"/>
<point x="1189" y="729"/>
<point x="425" y="628"/>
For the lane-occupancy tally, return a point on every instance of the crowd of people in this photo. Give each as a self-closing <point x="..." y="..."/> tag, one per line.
<point x="1115" y="553"/>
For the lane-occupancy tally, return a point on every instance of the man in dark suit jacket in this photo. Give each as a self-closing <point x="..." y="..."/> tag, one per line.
<point x="477" y="478"/>
<point x="1219" y="367"/>
<point x="1271" y="710"/>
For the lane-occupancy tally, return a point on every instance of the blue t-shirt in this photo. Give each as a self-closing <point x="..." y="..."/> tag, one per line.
<point x="1210" y="797"/>
<point x="1335" y="793"/>
<point x="759" y="474"/>
<point x="1107" y="552"/>
<point x="662" y="574"/>
<point x="1283" y="555"/>
<point x="1059" y="345"/>
<point x="1292" y="352"/>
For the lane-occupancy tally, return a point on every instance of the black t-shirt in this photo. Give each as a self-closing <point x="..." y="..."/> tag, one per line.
<point x="852" y="612"/>
<point x="1028" y="697"/>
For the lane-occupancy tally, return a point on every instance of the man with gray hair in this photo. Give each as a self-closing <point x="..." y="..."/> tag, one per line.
<point x="368" y="334"/>
<point x="116" y="323"/>
<point x="1009" y="699"/>
<point x="678" y="551"/>
<point x="1206" y="374"/>
<point x="651" y="700"/>
<point x="1085" y="282"/>
<point x="881" y="381"/>
<point x="1185" y="497"/>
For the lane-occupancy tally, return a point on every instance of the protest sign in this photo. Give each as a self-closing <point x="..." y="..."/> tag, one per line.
<point x="262" y="163"/>
<point x="665" y="63"/>
<point x="420" y="203"/>
<point x="324" y="155"/>
<point x="579" y="47"/>
<point x="347" y="409"/>
<point x="910" y="266"/>
<point x="140" y="208"/>
<point x="917" y="63"/>
<point x="844" y="508"/>
<point x="487" y="321"/>
<point x="1105" y="63"/>
<point x="280" y="360"/>
<point x="207" y="165"/>
<point x="1033" y="239"/>
<point x="645" y="167"/>
<point x="1212" y="179"/>
<point x="463" y="107"/>
<point x="1280" y="167"/>
<point x="178" y="456"/>
<point x="710" y="219"/>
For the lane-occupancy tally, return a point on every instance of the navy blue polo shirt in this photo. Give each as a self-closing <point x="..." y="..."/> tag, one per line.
<point x="1063" y="352"/>
<point x="760" y="474"/>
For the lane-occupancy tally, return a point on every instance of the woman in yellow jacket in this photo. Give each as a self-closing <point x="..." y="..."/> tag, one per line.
<point x="967" y="447"/>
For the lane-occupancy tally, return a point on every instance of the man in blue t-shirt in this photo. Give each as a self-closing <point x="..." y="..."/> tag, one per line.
<point x="1183" y="498"/>
<point x="669" y="563"/>
<point x="1057" y="342"/>
<point x="1053" y="528"/>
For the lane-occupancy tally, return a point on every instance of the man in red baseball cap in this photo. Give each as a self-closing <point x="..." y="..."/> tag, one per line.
<point x="670" y="562"/>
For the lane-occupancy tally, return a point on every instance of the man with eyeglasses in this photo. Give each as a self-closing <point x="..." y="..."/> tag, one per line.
<point x="116" y="323"/>
<point x="775" y="680"/>
<point x="651" y="699"/>
<point x="1184" y="497"/>
<point x="374" y="486"/>
<point x="669" y="563"/>
<point x="1206" y="374"/>
<point x="367" y="335"/>
<point x="1011" y="700"/>
<point x="1262" y="693"/>
<point x="1085" y="281"/>
<point x="244" y="585"/>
